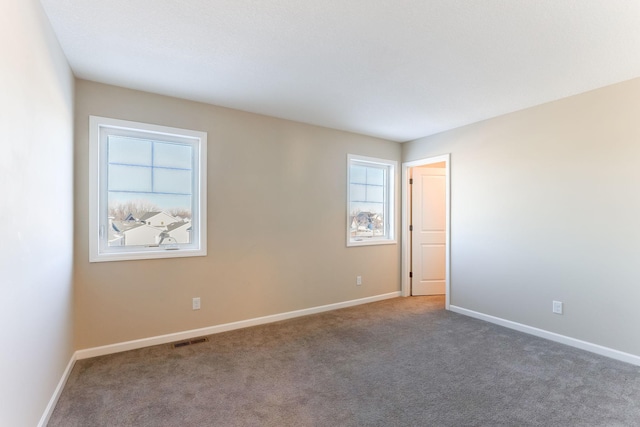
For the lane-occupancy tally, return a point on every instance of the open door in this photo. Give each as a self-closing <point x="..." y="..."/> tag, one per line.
<point x="426" y="230"/>
<point x="428" y="236"/>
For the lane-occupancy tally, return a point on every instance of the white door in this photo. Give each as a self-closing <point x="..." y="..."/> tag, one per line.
<point x="428" y="238"/>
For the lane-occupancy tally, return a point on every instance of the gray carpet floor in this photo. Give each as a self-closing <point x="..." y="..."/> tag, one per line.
<point x="399" y="362"/>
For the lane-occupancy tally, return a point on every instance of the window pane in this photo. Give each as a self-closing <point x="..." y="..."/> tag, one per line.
<point x="358" y="193"/>
<point x="172" y="181"/>
<point x="173" y="155"/>
<point x="367" y="220"/>
<point x="375" y="193"/>
<point x="149" y="192"/>
<point x="375" y="176"/>
<point x="130" y="151"/>
<point x="129" y="178"/>
<point x="358" y="174"/>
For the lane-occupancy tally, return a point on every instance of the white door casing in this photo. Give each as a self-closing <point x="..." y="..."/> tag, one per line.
<point x="428" y="238"/>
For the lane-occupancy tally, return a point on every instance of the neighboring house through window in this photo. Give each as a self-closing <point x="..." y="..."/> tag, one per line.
<point x="147" y="191"/>
<point x="370" y="201"/>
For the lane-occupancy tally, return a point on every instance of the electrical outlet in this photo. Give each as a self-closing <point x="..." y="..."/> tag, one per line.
<point x="557" y="307"/>
<point x="195" y="304"/>
<point x="358" y="280"/>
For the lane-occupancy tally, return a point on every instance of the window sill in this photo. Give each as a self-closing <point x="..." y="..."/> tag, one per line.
<point x="355" y="243"/>
<point x="147" y="254"/>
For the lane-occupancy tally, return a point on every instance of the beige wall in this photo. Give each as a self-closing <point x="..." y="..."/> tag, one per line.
<point x="546" y="205"/>
<point x="36" y="214"/>
<point x="276" y="225"/>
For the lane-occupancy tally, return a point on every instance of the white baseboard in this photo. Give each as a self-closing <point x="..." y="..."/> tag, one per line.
<point x="573" y="342"/>
<point x="179" y="336"/>
<point x="44" y="420"/>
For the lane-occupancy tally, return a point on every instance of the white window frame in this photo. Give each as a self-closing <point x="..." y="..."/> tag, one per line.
<point x="99" y="129"/>
<point x="389" y="214"/>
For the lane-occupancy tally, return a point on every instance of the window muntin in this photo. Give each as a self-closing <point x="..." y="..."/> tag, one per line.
<point x="148" y="191"/>
<point x="370" y="201"/>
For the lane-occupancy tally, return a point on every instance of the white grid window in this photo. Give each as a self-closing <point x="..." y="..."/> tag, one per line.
<point x="147" y="191"/>
<point x="370" y="201"/>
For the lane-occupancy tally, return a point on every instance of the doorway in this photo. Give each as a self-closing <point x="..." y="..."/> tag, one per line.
<point x="427" y="252"/>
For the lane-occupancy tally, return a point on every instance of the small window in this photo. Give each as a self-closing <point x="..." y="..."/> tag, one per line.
<point x="147" y="191"/>
<point x="370" y="201"/>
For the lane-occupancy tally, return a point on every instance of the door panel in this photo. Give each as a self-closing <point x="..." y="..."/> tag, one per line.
<point x="432" y="279"/>
<point x="429" y="236"/>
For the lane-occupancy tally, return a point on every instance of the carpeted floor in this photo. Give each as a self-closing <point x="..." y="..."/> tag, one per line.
<point x="399" y="362"/>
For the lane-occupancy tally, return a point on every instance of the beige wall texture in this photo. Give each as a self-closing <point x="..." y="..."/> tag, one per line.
<point x="545" y="205"/>
<point x="36" y="214"/>
<point x="276" y="225"/>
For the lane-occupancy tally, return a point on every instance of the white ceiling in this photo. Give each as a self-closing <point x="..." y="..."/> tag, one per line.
<point x="396" y="69"/>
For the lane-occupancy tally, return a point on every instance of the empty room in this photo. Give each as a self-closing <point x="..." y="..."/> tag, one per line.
<point x="330" y="213"/>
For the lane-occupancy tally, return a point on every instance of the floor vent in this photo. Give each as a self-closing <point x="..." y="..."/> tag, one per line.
<point x="189" y="342"/>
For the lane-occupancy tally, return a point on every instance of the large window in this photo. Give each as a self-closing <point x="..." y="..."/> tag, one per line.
<point x="370" y="201"/>
<point x="147" y="191"/>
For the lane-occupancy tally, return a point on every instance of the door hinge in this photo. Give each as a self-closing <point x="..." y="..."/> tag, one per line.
<point x="411" y="228"/>
<point x="410" y="181"/>
<point x="411" y="274"/>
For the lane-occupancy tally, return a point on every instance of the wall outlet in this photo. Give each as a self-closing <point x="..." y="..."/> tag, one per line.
<point x="195" y="303"/>
<point x="557" y="307"/>
<point x="358" y="280"/>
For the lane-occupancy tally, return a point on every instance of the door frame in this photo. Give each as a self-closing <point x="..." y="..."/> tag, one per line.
<point x="406" y="216"/>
